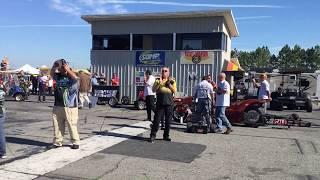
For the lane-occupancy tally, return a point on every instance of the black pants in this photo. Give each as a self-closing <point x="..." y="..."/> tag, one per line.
<point x="150" y="103"/>
<point x="50" y="91"/>
<point x="42" y="92"/>
<point x="34" y="88"/>
<point x="162" y="111"/>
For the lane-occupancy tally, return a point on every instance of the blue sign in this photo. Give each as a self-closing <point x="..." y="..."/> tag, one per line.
<point x="150" y="58"/>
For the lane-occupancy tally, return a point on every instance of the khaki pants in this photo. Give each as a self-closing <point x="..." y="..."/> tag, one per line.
<point x="83" y="97"/>
<point x="61" y="116"/>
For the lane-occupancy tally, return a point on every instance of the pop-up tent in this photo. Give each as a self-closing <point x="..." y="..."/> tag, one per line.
<point x="28" y="69"/>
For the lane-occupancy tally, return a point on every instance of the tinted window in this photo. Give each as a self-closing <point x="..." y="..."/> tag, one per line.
<point x="152" y="42"/>
<point x="199" y="41"/>
<point x="111" y="42"/>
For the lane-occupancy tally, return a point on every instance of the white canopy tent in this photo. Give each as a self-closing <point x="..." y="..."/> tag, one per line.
<point x="28" y="69"/>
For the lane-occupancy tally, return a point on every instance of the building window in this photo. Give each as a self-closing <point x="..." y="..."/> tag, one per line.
<point x="224" y="42"/>
<point x="199" y="41"/>
<point x="152" y="42"/>
<point x="111" y="42"/>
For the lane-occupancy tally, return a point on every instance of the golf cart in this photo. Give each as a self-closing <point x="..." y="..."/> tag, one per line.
<point x="294" y="96"/>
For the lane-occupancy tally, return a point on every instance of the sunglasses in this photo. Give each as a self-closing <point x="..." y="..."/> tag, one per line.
<point x="164" y="70"/>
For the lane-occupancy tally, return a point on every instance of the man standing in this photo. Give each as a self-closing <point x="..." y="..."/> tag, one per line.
<point x="204" y="94"/>
<point x="149" y="80"/>
<point x="264" y="90"/>
<point x="43" y="80"/>
<point x="65" y="108"/>
<point x="165" y="87"/>
<point x="85" y="87"/>
<point x="222" y="102"/>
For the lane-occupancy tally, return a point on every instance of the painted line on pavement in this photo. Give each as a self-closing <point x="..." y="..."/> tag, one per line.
<point x="51" y="160"/>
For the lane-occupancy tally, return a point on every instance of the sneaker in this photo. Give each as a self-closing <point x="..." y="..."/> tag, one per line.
<point x="228" y="131"/>
<point x="167" y="139"/>
<point x="3" y="156"/>
<point x="152" y="139"/>
<point x="75" y="146"/>
<point x="218" y="131"/>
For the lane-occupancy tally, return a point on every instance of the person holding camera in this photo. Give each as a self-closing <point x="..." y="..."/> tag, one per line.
<point x="65" y="108"/>
<point x="164" y="88"/>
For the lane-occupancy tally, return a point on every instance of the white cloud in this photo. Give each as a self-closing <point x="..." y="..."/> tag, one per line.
<point x="77" y="7"/>
<point x="65" y="7"/>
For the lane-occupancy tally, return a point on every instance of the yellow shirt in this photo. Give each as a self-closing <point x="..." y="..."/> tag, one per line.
<point x="161" y="87"/>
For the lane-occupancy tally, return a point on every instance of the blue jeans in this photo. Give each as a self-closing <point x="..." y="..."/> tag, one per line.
<point x="221" y="117"/>
<point x="2" y="137"/>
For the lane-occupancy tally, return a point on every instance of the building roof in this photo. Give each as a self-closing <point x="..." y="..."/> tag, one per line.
<point x="227" y="14"/>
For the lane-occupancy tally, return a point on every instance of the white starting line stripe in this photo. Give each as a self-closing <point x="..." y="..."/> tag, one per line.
<point x="51" y="160"/>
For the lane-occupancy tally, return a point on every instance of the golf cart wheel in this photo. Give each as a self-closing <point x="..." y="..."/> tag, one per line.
<point x="252" y="116"/>
<point x="125" y="100"/>
<point x="113" y="102"/>
<point x="309" y="106"/>
<point x="18" y="97"/>
<point x="141" y="105"/>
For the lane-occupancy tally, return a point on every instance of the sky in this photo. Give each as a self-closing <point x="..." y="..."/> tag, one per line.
<point x="37" y="32"/>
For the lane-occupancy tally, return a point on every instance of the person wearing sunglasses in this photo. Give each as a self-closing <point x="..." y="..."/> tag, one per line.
<point x="165" y="88"/>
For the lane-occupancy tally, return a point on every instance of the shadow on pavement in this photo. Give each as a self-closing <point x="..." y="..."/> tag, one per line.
<point x="160" y="150"/>
<point x="17" y="140"/>
<point x="126" y="125"/>
<point x="119" y="117"/>
<point x="106" y="133"/>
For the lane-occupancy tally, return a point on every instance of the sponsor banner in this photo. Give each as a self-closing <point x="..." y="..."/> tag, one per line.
<point x="150" y="58"/>
<point x="196" y="57"/>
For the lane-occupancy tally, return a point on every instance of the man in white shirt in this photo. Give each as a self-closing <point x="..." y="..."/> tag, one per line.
<point x="264" y="90"/>
<point x="222" y="102"/>
<point x="204" y="94"/>
<point x="149" y="80"/>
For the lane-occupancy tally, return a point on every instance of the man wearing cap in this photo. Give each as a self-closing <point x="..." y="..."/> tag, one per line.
<point x="65" y="108"/>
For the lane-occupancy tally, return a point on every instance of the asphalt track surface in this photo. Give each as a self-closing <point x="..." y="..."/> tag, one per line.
<point x="114" y="146"/>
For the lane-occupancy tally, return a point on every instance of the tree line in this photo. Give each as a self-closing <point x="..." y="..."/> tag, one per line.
<point x="288" y="59"/>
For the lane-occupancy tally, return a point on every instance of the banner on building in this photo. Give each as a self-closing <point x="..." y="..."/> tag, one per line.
<point x="150" y="58"/>
<point x="196" y="57"/>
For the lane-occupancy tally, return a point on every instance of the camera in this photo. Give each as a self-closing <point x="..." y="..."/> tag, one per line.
<point x="58" y="64"/>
